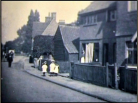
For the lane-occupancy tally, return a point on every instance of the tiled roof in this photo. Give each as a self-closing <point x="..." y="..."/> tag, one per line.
<point x="97" y="5"/>
<point x="51" y="29"/>
<point x="91" y="32"/>
<point x="39" y="27"/>
<point x="70" y="36"/>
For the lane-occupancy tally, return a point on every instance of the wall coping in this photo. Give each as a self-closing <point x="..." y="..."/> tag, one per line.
<point x="90" y="65"/>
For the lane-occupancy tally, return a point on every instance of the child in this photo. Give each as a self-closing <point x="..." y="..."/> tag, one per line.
<point x="44" y="68"/>
<point x="56" y="69"/>
<point x="52" y="68"/>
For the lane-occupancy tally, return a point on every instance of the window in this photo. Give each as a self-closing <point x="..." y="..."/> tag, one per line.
<point x="132" y="6"/>
<point x="90" y="19"/>
<point x="131" y="52"/>
<point x="84" y="20"/>
<point x="87" y="20"/>
<point x="94" y="19"/>
<point x="96" y="52"/>
<point x="112" y="15"/>
<point x="90" y="52"/>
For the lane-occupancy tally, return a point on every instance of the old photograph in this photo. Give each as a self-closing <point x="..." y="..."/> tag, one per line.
<point x="69" y="51"/>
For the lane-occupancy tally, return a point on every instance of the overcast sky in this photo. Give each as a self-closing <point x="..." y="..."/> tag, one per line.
<point x="15" y="13"/>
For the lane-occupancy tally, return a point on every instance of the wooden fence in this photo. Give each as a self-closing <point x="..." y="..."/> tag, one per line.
<point x="64" y="66"/>
<point x="112" y="76"/>
<point x="107" y="76"/>
<point x="128" y="79"/>
<point x="89" y="73"/>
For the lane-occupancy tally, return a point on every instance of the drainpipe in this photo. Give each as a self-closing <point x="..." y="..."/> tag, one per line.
<point x="80" y="51"/>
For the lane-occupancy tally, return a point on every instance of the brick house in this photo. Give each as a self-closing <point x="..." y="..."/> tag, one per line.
<point x="97" y="32"/>
<point x="126" y="33"/>
<point x="66" y="43"/>
<point x="43" y="33"/>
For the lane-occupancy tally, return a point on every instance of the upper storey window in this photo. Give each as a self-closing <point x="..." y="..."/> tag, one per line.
<point x="112" y="15"/>
<point x="132" y="6"/>
<point x="88" y="20"/>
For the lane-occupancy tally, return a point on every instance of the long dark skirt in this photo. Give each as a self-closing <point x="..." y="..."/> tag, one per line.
<point x="9" y="63"/>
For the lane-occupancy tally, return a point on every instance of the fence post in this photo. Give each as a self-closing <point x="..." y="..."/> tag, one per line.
<point x="116" y="82"/>
<point x="107" y="74"/>
<point x="71" y="69"/>
<point x="125" y="75"/>
<point x="70" y="74"/>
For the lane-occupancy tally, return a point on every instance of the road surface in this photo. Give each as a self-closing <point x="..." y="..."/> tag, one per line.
<point x="18" y="86"/>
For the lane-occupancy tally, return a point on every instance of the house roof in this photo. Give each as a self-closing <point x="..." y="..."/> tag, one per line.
<point x="97" y="5"/>
<point x="91" y="32"/>
<point x="134" y="37"/>
<point x="70" y="36"/>
<point x="39" y="27"/>
<point x="51" y="28"/>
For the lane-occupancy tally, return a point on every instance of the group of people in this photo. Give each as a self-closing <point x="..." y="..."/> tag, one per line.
<point x="53" y="69"/>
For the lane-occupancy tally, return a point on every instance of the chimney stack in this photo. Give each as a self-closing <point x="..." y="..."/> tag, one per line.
<point x="61" y="22"/>
<point x="53" y="15"/>
<point x="50" y="17"/>
<point x="47" y="19"/>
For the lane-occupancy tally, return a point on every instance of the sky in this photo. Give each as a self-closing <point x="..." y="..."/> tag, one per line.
<point x="15" y="13"/>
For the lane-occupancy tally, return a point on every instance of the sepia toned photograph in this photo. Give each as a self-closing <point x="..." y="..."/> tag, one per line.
<point x="69" y="51"/>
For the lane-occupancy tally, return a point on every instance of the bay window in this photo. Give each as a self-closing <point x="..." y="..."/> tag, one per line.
<point x="132" y="6"/>
<point x="131" y="52"/>
<point x="90" y="52"/>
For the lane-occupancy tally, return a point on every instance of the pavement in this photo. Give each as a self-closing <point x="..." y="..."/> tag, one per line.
<point x="103" y="93"/>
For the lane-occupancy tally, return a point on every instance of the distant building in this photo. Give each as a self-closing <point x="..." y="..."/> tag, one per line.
<point x="126" y="33"/>
<point x="66" y="43"/>
<point x="43" y="33"/>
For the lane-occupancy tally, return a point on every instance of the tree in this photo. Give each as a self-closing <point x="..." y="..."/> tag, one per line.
<point x="36" y="17"/>
<point x="25" y="32"/>
<point x="30" y="23"/>
<point x="22" y="31"/>
<point x="33" y="17"/>
<point x="9" y="45"/>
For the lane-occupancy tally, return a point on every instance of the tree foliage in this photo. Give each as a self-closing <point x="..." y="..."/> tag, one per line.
<point x="36" y="18"/>
<point x="25" y="32"/>
<point x="9" y="45"/>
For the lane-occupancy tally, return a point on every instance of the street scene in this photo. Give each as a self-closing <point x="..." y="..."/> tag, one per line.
<point x="89" y="57"/>
<point x="18" y="86"/>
